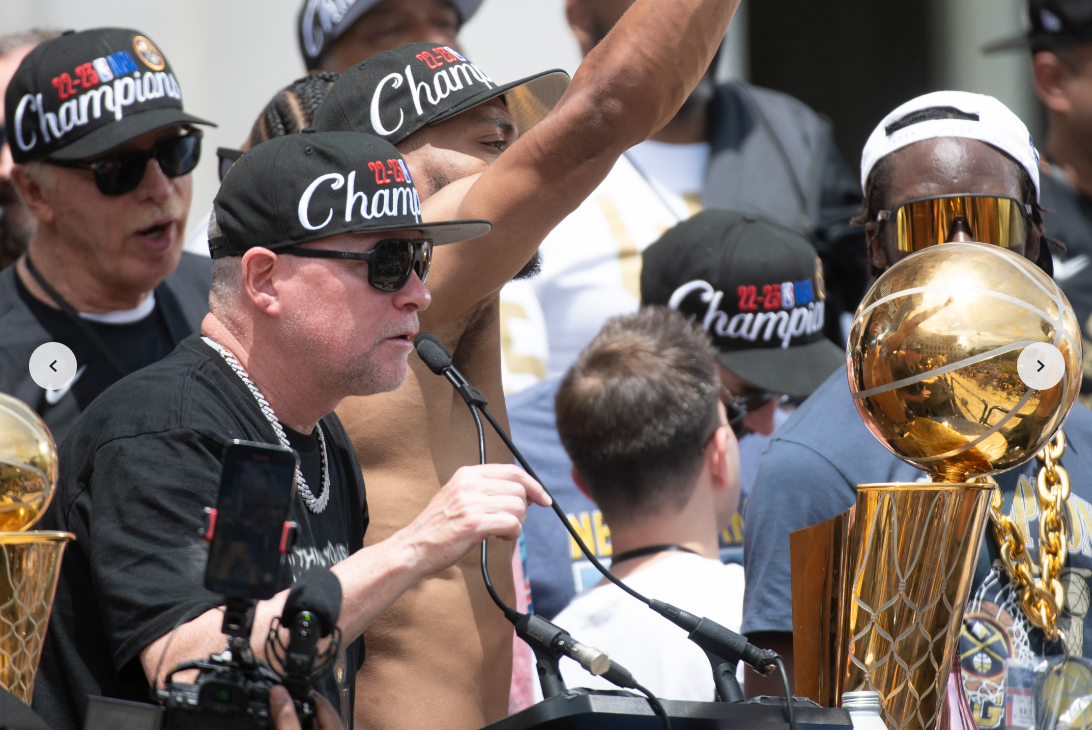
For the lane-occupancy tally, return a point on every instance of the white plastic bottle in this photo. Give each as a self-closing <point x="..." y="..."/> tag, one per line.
<point x="864" y="710"/>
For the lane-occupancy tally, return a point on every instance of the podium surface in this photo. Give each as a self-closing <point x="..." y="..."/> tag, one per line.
<point x="581" y="709"/>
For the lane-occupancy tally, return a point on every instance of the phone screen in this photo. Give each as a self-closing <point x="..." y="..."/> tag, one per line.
<point x="257" y="487"/>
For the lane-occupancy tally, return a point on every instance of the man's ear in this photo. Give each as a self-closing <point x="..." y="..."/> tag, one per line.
<point x="877" y="256"/>
<point x="35" y="196"/>
<point x="257" y="278"/>
<point x="582" y="24"/>
<point x="716" y="458"/>
<point x="579" y="482"/>
<point x="1051" y="75"/>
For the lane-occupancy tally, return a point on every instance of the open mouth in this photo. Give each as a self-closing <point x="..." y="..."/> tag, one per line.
<point x="155" y="232"/>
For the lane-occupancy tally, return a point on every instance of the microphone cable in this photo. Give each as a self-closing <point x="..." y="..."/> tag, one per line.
<point x="474" y="400"/>
<point x="709" y="635"/>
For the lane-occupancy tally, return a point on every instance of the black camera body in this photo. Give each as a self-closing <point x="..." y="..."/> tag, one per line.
<point x="224" y="697"/>
<point x="250" y="534"/>
<point x="232" y="689"/>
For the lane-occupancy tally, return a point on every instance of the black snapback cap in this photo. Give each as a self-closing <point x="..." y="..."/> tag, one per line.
<point x="398" y="92"/>
<point x="82" y="94"/>
<point x="756" y="287"/>
<point x="1048" y="24"/>
<point x="306" y="187"/>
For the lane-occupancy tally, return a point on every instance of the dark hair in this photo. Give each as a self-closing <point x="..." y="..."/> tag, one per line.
<point x="636" y="410"/>
<point x="11" y="41"/>
<point x="293" y="108"/>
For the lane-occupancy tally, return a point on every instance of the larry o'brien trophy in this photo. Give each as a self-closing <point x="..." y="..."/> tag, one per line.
<point x="30" y="562"/>
<point x="964" y="360"/>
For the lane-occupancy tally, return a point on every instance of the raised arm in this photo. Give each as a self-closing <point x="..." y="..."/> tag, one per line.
<point x="626" y="89"/>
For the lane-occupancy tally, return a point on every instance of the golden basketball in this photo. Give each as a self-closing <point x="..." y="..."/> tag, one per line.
<point x="28" y="465"/>
<point x="964" y="359"/>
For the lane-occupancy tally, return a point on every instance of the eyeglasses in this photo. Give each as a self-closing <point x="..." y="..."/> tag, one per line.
<point x="925" y="222"/>
<point x="3" y="136"/>
<point x="121" y="173"/>
<point x="390" y="263"/>
<point x="740" y="407"/>
<point x="227" y="158"/>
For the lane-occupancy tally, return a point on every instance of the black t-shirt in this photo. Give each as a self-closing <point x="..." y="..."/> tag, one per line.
<point x="137" y="469"/>
<point x="181" y="301"/>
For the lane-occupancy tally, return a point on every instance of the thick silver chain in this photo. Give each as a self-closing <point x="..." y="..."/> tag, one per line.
<point x="315" y="504"/>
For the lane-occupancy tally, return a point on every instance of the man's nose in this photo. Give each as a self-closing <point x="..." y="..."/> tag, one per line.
<point x="155" y="185"/>
<point x="959" y="230"/>
<point x="414" y="296"/>
<point x="763" y="420"/>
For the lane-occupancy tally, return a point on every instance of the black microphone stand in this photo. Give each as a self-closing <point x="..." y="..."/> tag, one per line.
<point x="548" y="641"/>
<point x="723" y="647"/>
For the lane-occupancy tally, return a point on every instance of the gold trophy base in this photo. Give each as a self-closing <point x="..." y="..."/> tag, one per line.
<point x="30" y="564"/>
<point x="878" y="594"/>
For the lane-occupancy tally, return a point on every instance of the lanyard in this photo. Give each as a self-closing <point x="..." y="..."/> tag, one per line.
<point x="81" y="324"/>
<point x="649" y="550"/>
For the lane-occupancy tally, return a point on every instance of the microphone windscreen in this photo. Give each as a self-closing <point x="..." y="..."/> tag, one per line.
<point x="432" y="352"/>
<point x="318" y="591"/>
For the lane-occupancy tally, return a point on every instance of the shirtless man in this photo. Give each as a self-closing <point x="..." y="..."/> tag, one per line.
<point x="444" y="650"/>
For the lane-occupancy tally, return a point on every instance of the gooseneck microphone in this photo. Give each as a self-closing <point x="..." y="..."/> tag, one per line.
<point x="548" y="641"/>
<point x="723" y="646"/>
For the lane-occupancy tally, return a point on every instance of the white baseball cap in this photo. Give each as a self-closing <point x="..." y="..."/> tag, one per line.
<point x="952" y="114"/>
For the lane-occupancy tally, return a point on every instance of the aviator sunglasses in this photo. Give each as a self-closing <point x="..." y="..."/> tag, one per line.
<point x="390" y="263"/>
<point x="918" y="224"/>
<point x="122" y="172"/>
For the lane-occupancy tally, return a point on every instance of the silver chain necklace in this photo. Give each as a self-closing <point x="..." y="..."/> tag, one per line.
<point x="315" y="504"/>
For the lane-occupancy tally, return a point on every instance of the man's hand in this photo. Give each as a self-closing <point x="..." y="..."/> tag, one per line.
<point x="284" y="712"/>
<point x="479" y="502"/>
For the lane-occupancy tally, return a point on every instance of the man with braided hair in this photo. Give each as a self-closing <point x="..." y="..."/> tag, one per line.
<point x="289" y="112"/>
<point x="292" y="108"/>
<point x="540" y="149"/>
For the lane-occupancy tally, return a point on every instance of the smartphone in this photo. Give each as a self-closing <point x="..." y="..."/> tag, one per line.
<point x="257" y="489"/>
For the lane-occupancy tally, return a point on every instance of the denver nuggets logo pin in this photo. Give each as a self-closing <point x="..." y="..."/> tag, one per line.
<point x="148" y="53"/>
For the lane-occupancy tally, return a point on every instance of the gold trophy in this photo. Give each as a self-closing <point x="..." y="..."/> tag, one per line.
<point x="30" y="562"/>
<point x="964" y="360"/>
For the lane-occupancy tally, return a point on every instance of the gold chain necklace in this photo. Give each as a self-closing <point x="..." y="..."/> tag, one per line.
<point x="1042" y="600"/>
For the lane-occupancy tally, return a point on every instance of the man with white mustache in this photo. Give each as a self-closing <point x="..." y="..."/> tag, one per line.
<point x="103" y="153"/>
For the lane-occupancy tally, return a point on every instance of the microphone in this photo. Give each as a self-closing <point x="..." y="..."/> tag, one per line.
<point x="719" y="642"/>
<point x="548" y="641"/>
<point x="438" y="359"/>
<point x="310" y="614"/>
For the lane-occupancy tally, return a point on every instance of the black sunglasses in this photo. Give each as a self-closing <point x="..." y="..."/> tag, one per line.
<point x="121" y="173"/>
<point x="739" y="408"/>
<point x="3" y="136"/>
<point x="227" y="158"/>
<point x="390" y="263"/>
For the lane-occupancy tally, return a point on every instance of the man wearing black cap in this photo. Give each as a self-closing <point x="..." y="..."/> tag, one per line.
<point x="103" y="153"/>
<point x="335" y="35"/>
<point x="320" y="266"/>
<point x="451" y="121"/>
<point x="757" y="289"/>
<point x="1059" y="35"/>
